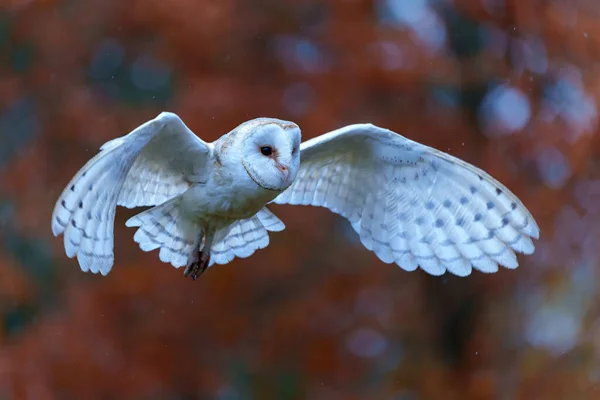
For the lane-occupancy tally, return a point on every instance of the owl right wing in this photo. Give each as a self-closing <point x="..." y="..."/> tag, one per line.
<point x="411" y="204"/>
<point x="154" y="163"/>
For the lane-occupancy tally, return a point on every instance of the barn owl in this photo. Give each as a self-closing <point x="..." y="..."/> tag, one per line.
<point x="410" y="204"/>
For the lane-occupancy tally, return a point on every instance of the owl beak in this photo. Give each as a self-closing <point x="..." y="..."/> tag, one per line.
<point x="285" y="172"/>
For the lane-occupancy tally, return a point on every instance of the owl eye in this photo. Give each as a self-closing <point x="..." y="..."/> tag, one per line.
<point x="266" y="150"/>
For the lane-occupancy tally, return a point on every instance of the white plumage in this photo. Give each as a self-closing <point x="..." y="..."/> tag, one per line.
<point x="410" y="204"/>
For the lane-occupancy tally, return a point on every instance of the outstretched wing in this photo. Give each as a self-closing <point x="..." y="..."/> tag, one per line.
<point x="155" y="162"/>
<point x="412" y="204"/>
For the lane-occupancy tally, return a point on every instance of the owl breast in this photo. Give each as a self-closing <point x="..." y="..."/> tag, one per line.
<point x="227" y="197"/>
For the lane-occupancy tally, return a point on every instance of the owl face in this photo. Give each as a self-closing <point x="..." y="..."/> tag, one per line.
<point x="271" y="152"/>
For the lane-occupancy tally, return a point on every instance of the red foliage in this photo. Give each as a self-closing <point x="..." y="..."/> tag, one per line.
<point x="281" y="324"/>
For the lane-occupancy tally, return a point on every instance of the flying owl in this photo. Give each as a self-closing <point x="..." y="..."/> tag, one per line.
<point x="410" y="204"/>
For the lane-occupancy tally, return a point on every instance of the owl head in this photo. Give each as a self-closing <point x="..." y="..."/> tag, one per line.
<point x="271" y="152"/>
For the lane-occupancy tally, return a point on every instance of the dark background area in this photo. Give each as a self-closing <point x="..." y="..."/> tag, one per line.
<point x="507" y="85"/>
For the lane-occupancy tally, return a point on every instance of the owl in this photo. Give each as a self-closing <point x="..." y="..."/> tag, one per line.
<point x="410" y="204"/>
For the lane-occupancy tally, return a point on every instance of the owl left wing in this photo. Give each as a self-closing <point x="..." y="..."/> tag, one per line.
<point x="411" y="204"/>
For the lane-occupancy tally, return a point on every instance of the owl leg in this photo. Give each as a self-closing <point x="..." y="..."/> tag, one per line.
<point x="201" y="257"/>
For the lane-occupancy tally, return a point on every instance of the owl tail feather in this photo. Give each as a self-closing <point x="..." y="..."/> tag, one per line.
<point x="163" y="227"/>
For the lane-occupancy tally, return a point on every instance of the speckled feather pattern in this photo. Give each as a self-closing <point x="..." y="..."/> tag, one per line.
<point x="413" y="205"/>
<point x="165" y="165"/>
<point x="410" y="204"/>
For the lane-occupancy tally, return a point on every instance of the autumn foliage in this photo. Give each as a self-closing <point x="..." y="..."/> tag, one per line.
<point x="510" y="86"/>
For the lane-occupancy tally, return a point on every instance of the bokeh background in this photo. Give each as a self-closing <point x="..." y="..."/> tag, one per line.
<point x="511" y="86"/>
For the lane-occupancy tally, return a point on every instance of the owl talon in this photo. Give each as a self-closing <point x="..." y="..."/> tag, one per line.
<point x="197" y="267"/>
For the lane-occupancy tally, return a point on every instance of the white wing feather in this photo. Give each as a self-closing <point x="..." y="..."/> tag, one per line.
<point x="163" y="227"/>
<point x="411" y="204"/>
<point x="150" y="165"/>
<point x="242" y="238"/>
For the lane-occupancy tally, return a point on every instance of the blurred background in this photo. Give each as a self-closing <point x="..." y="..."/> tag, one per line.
<point x="508" y="85"/>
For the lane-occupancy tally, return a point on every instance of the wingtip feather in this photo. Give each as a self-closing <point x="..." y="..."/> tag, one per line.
<point x="133" y="222"/>
<point x="57" y="229"/>
<point x="534" y="231"/>
<point x="460" y="267"/>
<point x="508" y="259"/>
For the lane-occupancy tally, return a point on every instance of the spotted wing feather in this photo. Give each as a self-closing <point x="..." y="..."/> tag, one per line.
<point x="411" y="204"/>
<point x="153" y="163"/>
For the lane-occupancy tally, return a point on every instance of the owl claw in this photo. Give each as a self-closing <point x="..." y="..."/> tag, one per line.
<point x="199" y="264"/>
<point x="197" y="268"/>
